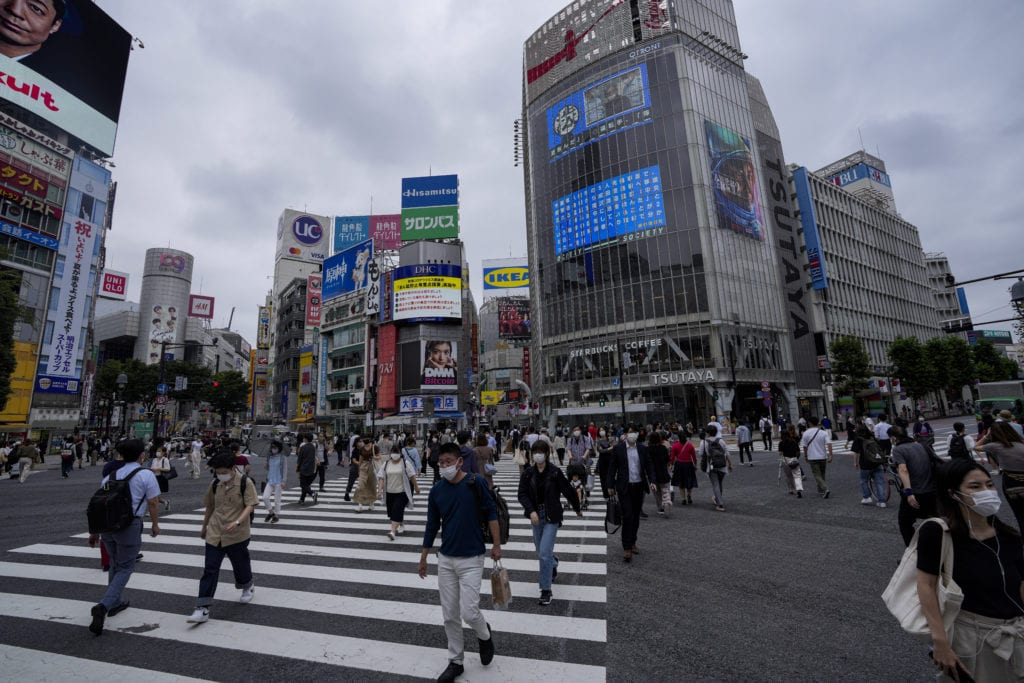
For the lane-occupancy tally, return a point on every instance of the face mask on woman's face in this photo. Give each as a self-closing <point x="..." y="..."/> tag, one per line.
<point x="540" y="457"/>
<point x="601" y="433"/>
<point x="396" y="456"/>
<point x="449" y="472"/>
<point x="224" y="477"/>
<point x="576" y="434"/>
<point x="985" y="503"/>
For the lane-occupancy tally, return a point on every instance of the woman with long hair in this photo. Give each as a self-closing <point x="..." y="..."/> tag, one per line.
<point x="986" y="642"/>
<point x="1004" y="447"/>
<point x="789" y="453"/>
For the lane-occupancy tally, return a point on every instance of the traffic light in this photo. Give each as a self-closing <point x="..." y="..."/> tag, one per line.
<point x="215" y="384"/>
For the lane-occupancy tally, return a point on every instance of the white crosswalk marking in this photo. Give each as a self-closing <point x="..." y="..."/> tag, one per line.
<point x="351" y="596"/>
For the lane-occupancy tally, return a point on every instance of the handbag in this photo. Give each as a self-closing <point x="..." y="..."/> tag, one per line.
<point x="519" y="458"/>
<point x="501" y="587"/>
<point x="171" y="473"/>
<point x="900" y="596"/>
<point x="613" y="516"/>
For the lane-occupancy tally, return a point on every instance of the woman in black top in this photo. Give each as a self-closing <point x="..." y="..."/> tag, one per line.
<point x="789" y="451"/>
<point x="987" y="641"/>
<point x="659" y="458"/>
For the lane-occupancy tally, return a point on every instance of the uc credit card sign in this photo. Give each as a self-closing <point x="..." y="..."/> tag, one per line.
<point x="430" y="207"/>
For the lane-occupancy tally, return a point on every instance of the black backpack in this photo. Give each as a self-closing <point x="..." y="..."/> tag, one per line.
<point x="245" y="477"/>
<point x="957" y="447"/>
<point x="870" y="454"/>
<point x="504" y="519"/>
<point x="716" y="453"/>
<point x="110" y="508"/>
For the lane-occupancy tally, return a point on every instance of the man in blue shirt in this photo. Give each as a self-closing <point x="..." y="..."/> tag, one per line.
<point x="123" y="546"/>
<point x="455" y="504"/>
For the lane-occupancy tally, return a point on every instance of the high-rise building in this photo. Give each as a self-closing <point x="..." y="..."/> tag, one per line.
<point x="654" y="275"/>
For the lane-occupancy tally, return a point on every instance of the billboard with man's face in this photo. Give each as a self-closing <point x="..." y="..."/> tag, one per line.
<point x="65" y="61"/>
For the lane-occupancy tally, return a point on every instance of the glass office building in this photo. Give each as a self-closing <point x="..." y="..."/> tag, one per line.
<point x="655" y="279"/>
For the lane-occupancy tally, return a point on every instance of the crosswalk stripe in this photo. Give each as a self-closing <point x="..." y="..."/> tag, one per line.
<point x="320" y="572"/>
<point x="21" y="664"/>
<point x="384" y="657"/>
<point x="564" y="566"/>
<point x="516" y="517"/>
<point x="573" y="628"/>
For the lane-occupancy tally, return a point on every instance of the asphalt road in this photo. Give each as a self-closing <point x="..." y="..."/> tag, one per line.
<point x="776" y="588"/>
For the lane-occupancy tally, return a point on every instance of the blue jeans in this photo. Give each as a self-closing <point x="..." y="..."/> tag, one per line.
<point x="879" y="477"/>
<point x="544" y="540"/>
<point x="238" y="554"/>
<point x="123" y="547"/>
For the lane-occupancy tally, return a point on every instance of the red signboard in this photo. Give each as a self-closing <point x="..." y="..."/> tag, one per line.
<point x="114" y="285"/>
<point x="385" y="231"/>
<point x="387" y="378"/>
<point x="200" y="306"/>
<point x="314" y="299"/>
<point x="526" y="366"/>
<point x="24" y="181"/>
<point x="30" y="203"/>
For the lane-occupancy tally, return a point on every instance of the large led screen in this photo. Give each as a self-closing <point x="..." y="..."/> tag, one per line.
<point x="609" y="106"/>
<point x="626" y="207"/>
<point x="428" y="291"/>
<point x="734" y="181"/>
<point x="514" y="319"/>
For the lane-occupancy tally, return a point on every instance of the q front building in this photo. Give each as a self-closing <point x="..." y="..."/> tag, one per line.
<point x="655" y="279"/>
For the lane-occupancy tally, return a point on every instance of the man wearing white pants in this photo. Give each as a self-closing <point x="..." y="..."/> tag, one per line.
<point x="454" y="503"/>
<point x="275" y="482"/>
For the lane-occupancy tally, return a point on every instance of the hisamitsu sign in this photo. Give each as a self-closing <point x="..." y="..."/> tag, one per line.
<point x="430" y="207"/>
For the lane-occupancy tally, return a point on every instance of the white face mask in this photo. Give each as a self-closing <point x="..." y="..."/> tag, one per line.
<point x="539" y="458"/>
<point x="396" y="456"/>
<point x="576" y="434"/>
<point x="631" y="438"/>
<point x="601" y="433"/>
<point x="224" y="477"/>
<point x="986" y="503"/>
<point x="449" y="472"/>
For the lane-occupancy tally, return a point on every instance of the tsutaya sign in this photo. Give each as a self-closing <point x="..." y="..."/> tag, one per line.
<point x="683" y="377"/>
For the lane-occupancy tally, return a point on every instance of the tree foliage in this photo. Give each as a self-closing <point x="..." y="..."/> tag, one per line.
<point x="910" y="363"/>
<point x="991" y="365"/>
<point x="952" y="363"/>
<point x="850" y="364"/>
<point x="143" y="380"/>
<point x="229" y="396"/>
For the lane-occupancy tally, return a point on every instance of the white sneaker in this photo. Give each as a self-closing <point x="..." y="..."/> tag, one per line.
<point x="881" y="505"/>
<point x="391" y="535"/>
<point x="199" y="616"/>
<point x="400" y="529"/>
<point x="246" y="597"/>
<point x="865" y="501"/>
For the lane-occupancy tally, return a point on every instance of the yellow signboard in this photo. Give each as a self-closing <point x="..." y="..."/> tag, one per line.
<point x="491" y="398"/>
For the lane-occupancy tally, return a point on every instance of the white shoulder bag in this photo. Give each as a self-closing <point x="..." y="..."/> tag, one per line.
<point x="900" y="596"/>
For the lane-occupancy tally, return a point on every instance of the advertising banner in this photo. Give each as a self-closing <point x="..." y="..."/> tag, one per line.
<point x="34" y="148"/>
<point x="809" y="221"/>
<point x="440" y="365"/>
<point x="373" y="274"/>
<point x="313" y="300"/>
<point x="20" y="180"/>
<point x="26" y="235"/>
<point x="430" y="207"/>
<point x="442" y="404"/>
<point x="428" y="292"/>
<point x="19" y="203"/>
<point x="263" y="328"/>
<point x="387" y="297"/>
<point x="162" y="322"/>
<point x="347" y="271"/>
<point x="350" y="231"/>
<point x="997" y="337"/>
<point x="514" y="319"/>
<point x="73" y="281"/>
<point x="387" y="378"/>
<point x="607" y="212"/>
<point x="200" y="306"/>
<point x="69" y="70"/>
<point x="860" y="172"/>
<point x="526" y="366"/>
<point x="609" y="106"/>
<point x="734" y="181"/>
<point x="386" y="231"/>
<point x="506" y="277"/>
<point x="302" y="236"/>
<point x="113" y="285"/>
<point x="321" y="386"/>
<point x="491" y="398"/>
<point x="306" y="369"/>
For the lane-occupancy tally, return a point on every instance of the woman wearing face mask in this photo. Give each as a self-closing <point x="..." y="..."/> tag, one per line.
<point x="275" y="482"/>
<point x="229" y="501"/>
<point x="540" y="488"/>
<point x="366" y="489"/>
<point x="397" y="480"/>
<point x="987" y="638"/>
<point x="1004" y="448"/>
<point x="684" y="468"/>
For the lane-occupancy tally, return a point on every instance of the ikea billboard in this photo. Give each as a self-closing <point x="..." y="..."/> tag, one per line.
<point x="506" y="277"/>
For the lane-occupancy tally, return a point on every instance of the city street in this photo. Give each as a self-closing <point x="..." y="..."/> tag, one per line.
<point x="775" y="588"/>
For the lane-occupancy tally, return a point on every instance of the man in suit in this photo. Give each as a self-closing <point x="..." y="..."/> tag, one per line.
<point x="306" y="467"/>
<point x="630" y="476"/>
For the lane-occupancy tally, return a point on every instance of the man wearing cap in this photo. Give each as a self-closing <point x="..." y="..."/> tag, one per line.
<point x="123" y="546"/>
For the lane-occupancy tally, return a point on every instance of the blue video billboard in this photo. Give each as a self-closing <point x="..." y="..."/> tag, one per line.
<point x="629" y="206"/>
<point x="346" y="271"/>
<point x="606" y="107"/>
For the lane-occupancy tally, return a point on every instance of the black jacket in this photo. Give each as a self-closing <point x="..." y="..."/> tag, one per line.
<point x="552" y="486"/>
<point x="618" y="467"/>
<point x="307" y="459"/>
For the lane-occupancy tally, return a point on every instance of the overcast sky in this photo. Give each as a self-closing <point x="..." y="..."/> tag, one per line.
<point x="237" y="109"/>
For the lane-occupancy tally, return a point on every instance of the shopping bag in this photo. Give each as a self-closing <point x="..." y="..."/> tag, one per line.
<point x="501" y="588"/>
<point x="172" y="473"/>
<point x="612" y="516"/>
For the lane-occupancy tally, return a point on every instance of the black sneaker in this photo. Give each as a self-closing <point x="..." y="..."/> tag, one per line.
<point x="643" y="515"/>
<point x="122" y="606"/>
<point x="314" y="497"/>
<point x="268" y="518"/>
<point x="275" y="520"/>
<point x="487" y="648"/>
<point x="451" y="673"/>
<point x="545" y="598"/>
<point x="99" y="614"/>
<point x="826" y="494"/>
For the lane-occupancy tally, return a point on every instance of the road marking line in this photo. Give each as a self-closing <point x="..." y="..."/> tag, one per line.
<point x="21" y="664"/>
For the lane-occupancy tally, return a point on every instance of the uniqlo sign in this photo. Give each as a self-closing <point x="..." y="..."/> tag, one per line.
<point x="114" y="285"/>
<point x="200" y="306"/>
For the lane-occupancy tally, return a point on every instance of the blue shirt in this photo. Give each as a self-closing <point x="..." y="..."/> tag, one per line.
<point x="454" y="506"/>
<point x="413" y="456"/>
<point x="143" y="485"/>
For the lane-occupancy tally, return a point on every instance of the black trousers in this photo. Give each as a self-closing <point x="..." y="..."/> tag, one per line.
<point x="306" y="484"/>
<point x="353" y="474"/>
<point x="321" y="472"/>
<point x="747" y="449"/>
<point x="766" y="440"/>
<point x="631" y="500"/>
<point x="907" y="515"/>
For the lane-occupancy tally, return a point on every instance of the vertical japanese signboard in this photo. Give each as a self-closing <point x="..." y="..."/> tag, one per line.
<point x="387" y="338"/>
<point x="313" y="297"/>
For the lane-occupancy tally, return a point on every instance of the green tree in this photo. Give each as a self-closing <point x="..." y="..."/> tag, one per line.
<point x="910" y="363"/>
<point x="850" y="364"/>
<point x="991" y="365"/>
<point x="228" y="393"/>
<point x="952" y="364"/>
<point x="11" y="312"/>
